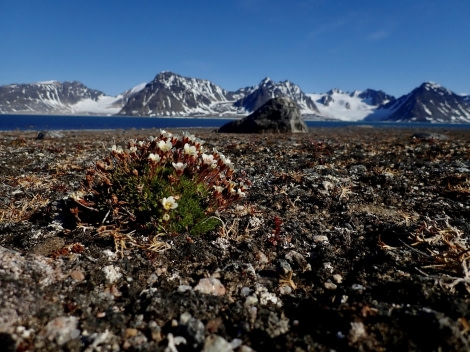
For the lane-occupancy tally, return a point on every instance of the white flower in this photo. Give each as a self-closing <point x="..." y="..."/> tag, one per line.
<point x="166" y="217"/>
<point x="240" y="193"/>
<point x="133" y="149"/>
<point x="140" y="143"/>
<point x="226" y="161"/>
<point x="169" y="203"/>
<point x="219" y="189"/>
<point x="208" y="159"/>
<point x="165" y="146"/>
<point x="189" y="136"/>
<point x="179" y="166"/>
<point x="190" y="149"/>
<point x="154" y="157"/>
<point x="117" y="149"/>
<point x="165" y="133"/>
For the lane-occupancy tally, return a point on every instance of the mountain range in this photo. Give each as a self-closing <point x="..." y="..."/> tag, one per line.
<point x="170" y="94"/>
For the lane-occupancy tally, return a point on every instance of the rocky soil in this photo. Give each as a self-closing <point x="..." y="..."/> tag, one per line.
<point x="349" y="239"/>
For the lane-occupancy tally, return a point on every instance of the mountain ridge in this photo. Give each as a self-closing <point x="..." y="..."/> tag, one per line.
<point x="50" y="97"/>
<point x="430" y="102"/>
<point x="170" y="94"/>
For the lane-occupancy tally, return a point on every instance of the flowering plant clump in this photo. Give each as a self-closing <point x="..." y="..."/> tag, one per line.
<point x="166" y="184"/>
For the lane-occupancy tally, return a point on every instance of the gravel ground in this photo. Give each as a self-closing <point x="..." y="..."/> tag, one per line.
<point x="349" y="239"/>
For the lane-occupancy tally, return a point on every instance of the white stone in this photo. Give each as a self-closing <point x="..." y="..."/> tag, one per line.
<point x="112" y="273"/>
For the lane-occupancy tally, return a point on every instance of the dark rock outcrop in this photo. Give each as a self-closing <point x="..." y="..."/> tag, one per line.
<point x="277" y="115"/>
<point x="375" y="97"/>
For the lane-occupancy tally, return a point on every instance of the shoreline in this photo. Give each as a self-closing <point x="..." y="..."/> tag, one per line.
<point x="340" y="125"/>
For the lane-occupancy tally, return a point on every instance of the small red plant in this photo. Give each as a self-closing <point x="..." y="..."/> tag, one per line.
<point x="275" y="237"/>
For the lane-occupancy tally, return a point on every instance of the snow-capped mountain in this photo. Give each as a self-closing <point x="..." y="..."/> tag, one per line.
<point x="256" y="96"/>
<point x="430" y="102"/>
<point x="52" y="97"/>
<point x="170" y="94"/>
<point x="336" y="104"/>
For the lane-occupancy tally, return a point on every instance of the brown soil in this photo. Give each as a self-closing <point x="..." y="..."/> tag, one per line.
<point x="349" y="239"/>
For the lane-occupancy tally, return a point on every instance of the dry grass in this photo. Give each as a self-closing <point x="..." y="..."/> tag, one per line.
<point x="449" y="249"/>
<point x="28" y="194"/>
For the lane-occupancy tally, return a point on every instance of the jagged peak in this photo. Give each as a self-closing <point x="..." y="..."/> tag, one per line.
<point x="433" y="86"/>
<point x="266" y="81"/>
<point x="288" y="83"/>
<point x="165" y="75"/>
<point x="47" y="83"/>
<point x="170" y="78"/>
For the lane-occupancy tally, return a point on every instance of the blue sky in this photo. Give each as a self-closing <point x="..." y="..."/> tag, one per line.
<point x="113" y="45"/>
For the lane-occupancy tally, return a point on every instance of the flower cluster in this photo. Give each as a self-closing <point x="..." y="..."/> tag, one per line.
<point x="167" y="184"/>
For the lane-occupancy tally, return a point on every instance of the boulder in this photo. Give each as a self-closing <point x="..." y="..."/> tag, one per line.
<point x="277" y="115"/>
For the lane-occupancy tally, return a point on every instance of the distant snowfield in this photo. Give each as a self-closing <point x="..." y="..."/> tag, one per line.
<point x="343" y="106"/>
<point x="105" y="105"/>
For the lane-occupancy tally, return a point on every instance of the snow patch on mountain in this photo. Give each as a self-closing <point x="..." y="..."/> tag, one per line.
<point x="355" y="106"/>
<point x="104" y="105"/>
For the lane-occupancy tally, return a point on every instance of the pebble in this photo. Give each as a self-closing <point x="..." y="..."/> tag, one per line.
<point x="155" y="330"/>
<point x="62" y="329"/>
<point x="184" y="288"/>
<point x="268" y="297"/>
<point x="131" y="332"/>
<point x="328" y="267"/>
<point x="245" y="291"/>
<point x="330" y="285"/>
<point x="284" y="267"/>
<point x="262" y="258"/>
<point x="320" y="238"/>
<point x="299" y="259"/>
<point x="112" y="273"/>
<point x="215" y="343"/>
<point x="251" y="300"/>
<point x="337" y="278"/>
<point x="77" y="275"/>
<point x="358" y="287"/>
<point x="49" y="246"/>
<point x="194" y="330"/>
<point x="285" y="290"/>
<point x="210" y="286"/>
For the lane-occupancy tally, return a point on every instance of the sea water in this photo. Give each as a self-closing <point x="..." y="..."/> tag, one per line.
<point x="60" y="122"/>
